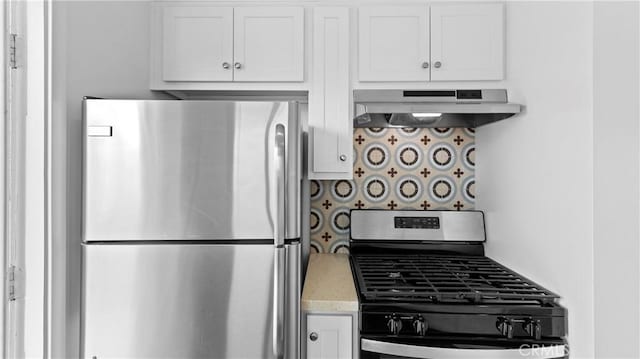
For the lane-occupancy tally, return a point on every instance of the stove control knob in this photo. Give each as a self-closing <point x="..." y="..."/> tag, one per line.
<point x="505" y="326"/>
<point x="420" y="325"/>
<point x="394" y="324"/>
<point x="533" y="328"/>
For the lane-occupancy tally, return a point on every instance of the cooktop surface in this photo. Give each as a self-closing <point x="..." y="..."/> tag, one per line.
<point x="443" y="279"/>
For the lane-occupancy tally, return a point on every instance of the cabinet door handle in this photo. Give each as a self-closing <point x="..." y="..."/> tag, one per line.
<point x="313" y="336"/>
<point x="225" y="65"/>
<point x="425" y="65"/>
<point x="437" y="64"/>
<point x="237" y="65"/>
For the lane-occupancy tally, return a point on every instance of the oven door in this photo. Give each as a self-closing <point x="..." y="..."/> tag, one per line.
<point x="460" y="348"/>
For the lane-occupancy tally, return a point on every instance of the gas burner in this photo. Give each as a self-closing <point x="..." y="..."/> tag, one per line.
<point x="394" y="275"/>
<point x="400" y="289"/>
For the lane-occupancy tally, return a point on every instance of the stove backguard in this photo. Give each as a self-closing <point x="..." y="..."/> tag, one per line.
<point x="435" y="232"/>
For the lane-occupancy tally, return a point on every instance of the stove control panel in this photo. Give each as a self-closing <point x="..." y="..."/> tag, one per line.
<point x="417" y="222"/>
<point x="432" y="324"/>
<point x="414" y="225"/>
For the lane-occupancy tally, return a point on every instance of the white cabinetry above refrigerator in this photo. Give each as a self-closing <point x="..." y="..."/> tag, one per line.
<point x="195" y="46"/>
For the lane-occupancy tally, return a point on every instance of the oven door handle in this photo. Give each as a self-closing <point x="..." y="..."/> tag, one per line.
<point x="426" y="352"/>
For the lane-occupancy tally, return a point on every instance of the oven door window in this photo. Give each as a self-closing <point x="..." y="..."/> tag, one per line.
<point x="460" y="348"/>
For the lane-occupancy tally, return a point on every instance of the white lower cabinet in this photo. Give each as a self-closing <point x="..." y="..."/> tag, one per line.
<point x="329" y="336"/>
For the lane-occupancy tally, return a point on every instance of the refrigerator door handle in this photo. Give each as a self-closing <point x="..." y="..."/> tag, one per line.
<point x="278" y="302"/>
<point x="279" y="249"/>
<point x="279" y="225"/>
<point x="292" y="308"/>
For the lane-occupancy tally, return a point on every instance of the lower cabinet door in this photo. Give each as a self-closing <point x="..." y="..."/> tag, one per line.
<point x="329" y="336"/>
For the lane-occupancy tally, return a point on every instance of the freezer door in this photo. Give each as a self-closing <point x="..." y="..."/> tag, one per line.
<point x="187" y="170"/>
<point x="186" y="301"/>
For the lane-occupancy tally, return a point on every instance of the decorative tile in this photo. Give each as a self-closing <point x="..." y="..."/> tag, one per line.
<point x="406" y="168"/>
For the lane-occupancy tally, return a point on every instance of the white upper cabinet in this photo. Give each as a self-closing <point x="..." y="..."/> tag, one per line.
<point x="269" y="44"/>
<point x="393" y="43"/>
<point x="197" y="42"/>
<point x="195" y="46"/>
<point x="467" y="42"/>
<point x="463" y="42"/>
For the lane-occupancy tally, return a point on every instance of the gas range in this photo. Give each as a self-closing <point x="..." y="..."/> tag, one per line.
<point x="428" y="291"/>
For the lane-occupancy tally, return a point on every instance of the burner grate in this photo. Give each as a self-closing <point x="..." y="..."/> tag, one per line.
<point x="443" y="278"/>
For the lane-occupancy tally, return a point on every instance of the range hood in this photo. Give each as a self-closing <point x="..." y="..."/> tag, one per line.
<point x="431" y="108"/>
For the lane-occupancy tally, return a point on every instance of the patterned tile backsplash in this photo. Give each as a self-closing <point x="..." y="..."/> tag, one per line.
<point x="407" y="168"/>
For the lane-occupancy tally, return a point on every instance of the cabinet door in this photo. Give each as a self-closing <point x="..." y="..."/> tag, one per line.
<point x="196" y="43"/>
<point x="333" y="336"/>
<point x="393" y="43"/>
<point x="467" y="42"/>
<point x="331" y="127"/>
<point x="269" y="44"/>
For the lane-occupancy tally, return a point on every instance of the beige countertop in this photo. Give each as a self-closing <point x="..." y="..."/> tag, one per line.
<point x="329" y="285"/>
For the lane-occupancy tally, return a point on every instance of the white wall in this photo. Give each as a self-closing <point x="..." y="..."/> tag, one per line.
<point x="534" y="171"/>
<point x="101" y="48"/>
<point x="3" y="153"/>
<point x="616" y="87"/>
<point x="34" y="322"/>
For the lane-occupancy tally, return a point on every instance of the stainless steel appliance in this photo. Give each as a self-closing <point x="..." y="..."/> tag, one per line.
<point x="426" y="290"/>
<point x="431" y="108"/>
<point x="191" y="227"/>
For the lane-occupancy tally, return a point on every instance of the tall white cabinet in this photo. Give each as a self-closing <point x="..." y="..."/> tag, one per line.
<point x="431" y="43"/>
<point x="330" y="120"/>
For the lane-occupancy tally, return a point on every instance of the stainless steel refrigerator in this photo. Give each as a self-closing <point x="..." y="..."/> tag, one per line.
<point x="191" y="227"/>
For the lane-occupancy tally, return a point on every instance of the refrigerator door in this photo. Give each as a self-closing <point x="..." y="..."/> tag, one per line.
<point x="187" y="170"/>
<point x="186" y="301"/>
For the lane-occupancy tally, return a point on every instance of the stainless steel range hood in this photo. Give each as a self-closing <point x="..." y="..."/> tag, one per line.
<point x="431" y="108"/>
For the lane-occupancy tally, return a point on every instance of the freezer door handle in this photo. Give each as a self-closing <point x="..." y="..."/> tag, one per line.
<point x="99" y="131"/>
<point x="279" y="249"/>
